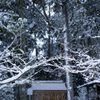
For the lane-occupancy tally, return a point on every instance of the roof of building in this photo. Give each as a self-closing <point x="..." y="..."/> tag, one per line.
<point x="46" y="85"/>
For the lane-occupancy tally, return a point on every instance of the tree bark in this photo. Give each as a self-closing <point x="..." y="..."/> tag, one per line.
<point x="22" y="87"/>
<point x="69" y="80"/>
<point x="36" y="47"/>
<point x="49" y="39"/>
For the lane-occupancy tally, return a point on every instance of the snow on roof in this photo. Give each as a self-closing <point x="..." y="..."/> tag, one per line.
<point x="46" y="85"/>
<point x="89" y="83"/>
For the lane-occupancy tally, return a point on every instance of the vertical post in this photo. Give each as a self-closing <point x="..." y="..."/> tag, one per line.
<point x="95" y="92"/>
<point x="30" y="97"/>
<point x="55" y="96"/>
<point x="62" y="97"/>
<point x="87" y="98"/>
<point x="42" y="95"/>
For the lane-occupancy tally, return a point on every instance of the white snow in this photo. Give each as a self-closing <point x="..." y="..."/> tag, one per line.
<point x="5" y="18"/>
<point x="82" y="94"/>
<point x="39" y="42"/>
<point x="33" y="53"/>
<point x="0" y="42"/>
<point x="88" y="83"/>
<point x="10" y="79"/>
<point x="66" y="53"/>
<point x="95" y="37"/>
<point x="3" y="86"/>
<point x="79" y="36"/>
<point x="21" y="51"/>
<point x="32" y="24"/>
<point x="27" y="7"/>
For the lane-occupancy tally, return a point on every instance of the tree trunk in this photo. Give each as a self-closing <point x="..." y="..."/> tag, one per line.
<point x="36" y="47"/>
<point x="49" y="43"/>
<point x="69" y="80"/>
<point x="22" y="87"/>
<point x="49" y="39"/>
<point x="22" y="92"/>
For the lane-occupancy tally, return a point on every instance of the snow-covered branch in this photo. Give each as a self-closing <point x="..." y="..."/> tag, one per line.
<point x="13" y="66"/>
<point x="81" y="66"/>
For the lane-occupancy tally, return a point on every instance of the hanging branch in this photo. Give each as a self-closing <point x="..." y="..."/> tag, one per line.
<point x="44" y="16"/>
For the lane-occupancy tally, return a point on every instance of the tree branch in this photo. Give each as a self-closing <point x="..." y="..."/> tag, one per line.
<point x="44" y="16"/>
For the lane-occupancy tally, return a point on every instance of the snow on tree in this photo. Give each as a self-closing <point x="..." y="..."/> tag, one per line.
<point x="14" y="60"/>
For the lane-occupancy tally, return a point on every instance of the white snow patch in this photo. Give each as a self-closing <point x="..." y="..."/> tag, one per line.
<point x="88" y="83"/>
<point x="21" y="51"/>
<point x="2" y="86"/>
<point x="32" y="24"/>
<point x="27" y="7"/>
<point x="33" y="53"/>
<point x="79" y="37"/>
<point x="95" y="37"/>
<point x="0" y="42"/>
<point x="39" y="42"/>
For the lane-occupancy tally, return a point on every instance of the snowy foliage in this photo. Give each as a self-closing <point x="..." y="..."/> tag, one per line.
<point x="17" y="70"/>
<point x="7" y="93"/>
<point x="83" y="64"/>
<point x="18" y="66"/>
